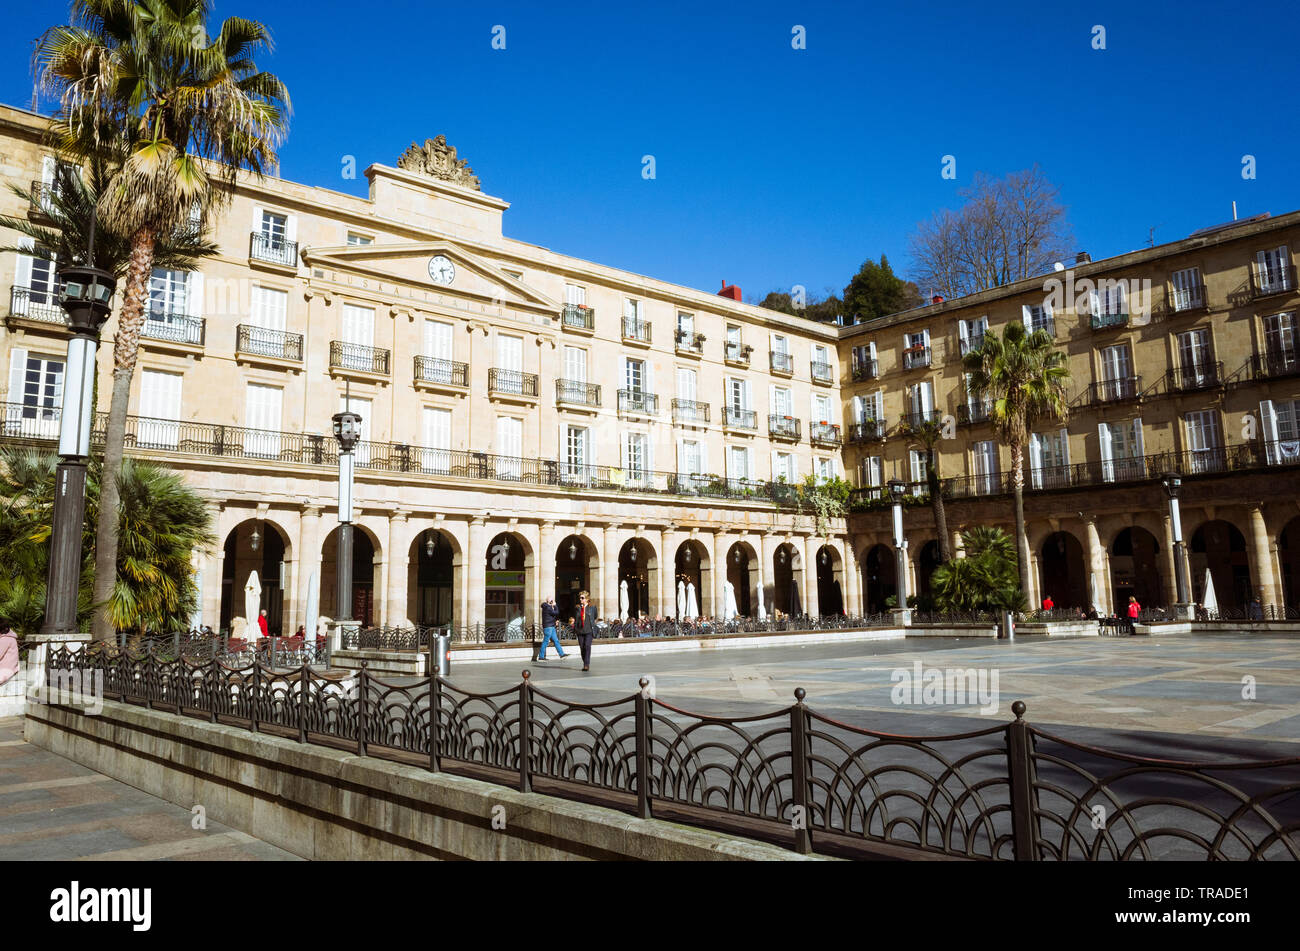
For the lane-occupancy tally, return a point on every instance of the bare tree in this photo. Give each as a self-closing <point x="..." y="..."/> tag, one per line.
<point x="1006" y="230"/>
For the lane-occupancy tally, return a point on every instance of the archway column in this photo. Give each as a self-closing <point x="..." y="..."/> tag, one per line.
<point x="1098" y="577"/>
<point x="767" y="555"/>
<point x="1263" y="575"/>
<point x="1169" y="589"/>
<point x="811" y="604"/>
<point x="213" y="569"/>
<point x="721" y="541"/>
<point x="608" y="606"/>
<point x="309" y="561"/>
<point x="396" y="571"/>
<point x="545" y="565"/>
<point x="475" y="611"/>
<point x="658" y="537"/>
<point x="852" y="578"/>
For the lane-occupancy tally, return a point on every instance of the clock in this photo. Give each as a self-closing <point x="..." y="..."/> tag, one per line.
<point x="441" y="270"/>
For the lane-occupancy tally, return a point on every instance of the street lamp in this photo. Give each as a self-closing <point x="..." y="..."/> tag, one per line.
<point x="429" y="545"/>
<point x="347" y="431"/>
<point x="1172" y="483"/>
<point x="897" y="489"/>
<point x="86" y="297"/>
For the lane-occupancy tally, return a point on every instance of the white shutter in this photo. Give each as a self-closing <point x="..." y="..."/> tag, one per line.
<point x="48" y="166"/>
<point x="963" y="335"/>
<point x="880" y="405"/>
<point x="1268" y="426"/>
<point x="262" y="413"/>
<point x="776" y="470"/>
<point x="160" y="405"/>
<point x="1138" y="450"/>
<point x="194" y="294"/>
<point x="927" y="398"/>
<point x="925" y="337"/>
<point x="686" y="384"/>
<point x="1036" y="460"/>
<point x="291" y="228"/>
<point x="1107" y="452"/>
<point x="749" y="403"/>
<point x="437" y="340"/>
<point x="23" y="276"/>
<point x="857" y="409"/>
<point x="17" y="373"/>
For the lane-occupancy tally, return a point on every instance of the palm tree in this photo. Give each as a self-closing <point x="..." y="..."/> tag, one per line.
<point x="928" y="432"/>
<point x="1024" y="377"/>
<point x="139" y="80"/>
<point x="985" y="580"/>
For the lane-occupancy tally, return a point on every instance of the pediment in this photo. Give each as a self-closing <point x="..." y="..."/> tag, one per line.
<point x="408" y="263"/>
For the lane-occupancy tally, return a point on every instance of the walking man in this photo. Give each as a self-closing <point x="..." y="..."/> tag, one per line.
<point x="584" y="626"/>
<point x="549" y="614"/>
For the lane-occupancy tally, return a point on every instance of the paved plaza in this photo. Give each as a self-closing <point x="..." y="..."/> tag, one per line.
<point x="1168" y="696"/>
<point x="53" y="809"/>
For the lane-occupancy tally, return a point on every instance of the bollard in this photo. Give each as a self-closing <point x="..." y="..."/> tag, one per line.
<point x="442" y="651"/>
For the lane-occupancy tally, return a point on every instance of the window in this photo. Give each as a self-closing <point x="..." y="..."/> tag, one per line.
<point x="634" y="377"/>
<point x="1117" y="380"/>
<point x="916" y="349"/>
<point x="783" y="467"/>
<point x="575" y="295"/>
<point x="274" y="228"/>
<point x="35" y="393"/>
<point x="738" y="464"/>
<point x="1188" y="291"/>
<point x="262" y="406"/>
<point x="1195" y="359"/>
<point x="160" y="407"/>
<point x="685" y="384"/>
<point x="1205" y="442"/>
<point x="919" y="465"/>
<point x="636" y="457"/>
<point x="1039" y="317"/>
<point x="738" y="395"/>
<point x="510" y="447"/>
<point x="1280" y="341"/>
<point x="781" y="401"/>
<point x="1109" y="301"/>
<point x="920" y="401"/>
<point x="1049" y="460"/>
<point x="168" y="296"/>
<point x="871" y="475"/>
<point x="631" y="309"/>
<point x="575" y="453"/>
<point x="633" y="326"/>
<point x="985" y="457"/>
<point x="1274" y="270"/>
<point x="510" y="364"/>
<point x="39" y="299"/>
<point x="267" y="319"/>
<point x="575" y="365"/>
<point x="359" y="240"/>
<point x="970" y="334"/>
<point x="437" y="440"/>
<point x="358" y="337"/>
<point x="1122" y="450"/>
<point x="689" y="459"/>
<point x="780" y="344"/>
<point x="825" y="469"/>
<point x="438" y="345"/>
<point x="863" y="361"/>
<point x="821" y="409"/>
<point x="1280" y="422"/>
<point x="733" y="335"/>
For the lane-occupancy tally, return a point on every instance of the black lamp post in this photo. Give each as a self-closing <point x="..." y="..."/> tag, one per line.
<point x="86" y="296"/>
<point x="1172" y="483"/>
<point x="897" y="489"/>
<point x="347" y="430"/>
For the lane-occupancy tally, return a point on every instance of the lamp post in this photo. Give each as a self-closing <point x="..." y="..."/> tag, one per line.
<point x="86" y="297"/>
<point x="347" y="430"/>
<point x="897" y="488"/>
<point x="1172" y="483"/>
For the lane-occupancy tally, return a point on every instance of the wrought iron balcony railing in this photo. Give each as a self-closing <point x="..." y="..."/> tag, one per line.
<point x="867" y="430"/>
<point x="1187" y="298"/>
<point x="512" y="382"/>
<point x="33" y="304"/>
<point x="914" y="421"/>
<point x="863" y="370"/>
<point x="1104" y="321"/>
<point x="690" y="411"/>
<point x="691" y="343"/>
<point x="272" y="250"/>
<point x="42" y="198"/>
<point x="444" y="372"/>
<point x="822" y="372"/>
<point x="1114" y="391"/>
<point x="174" y="328"/>
<point x="638" y="401"/>
<point x="974" y="412"/>
<point x="781" y="362"/>
<point x="1187" y="379"/>
<point x="915" y="357"/>
<point x="783" y="427"/>
<point x="972" y="342"/>
<point x="636" y="331"/>
<point x="577" y="392"/>
<point x="359" y="357"/>
<point x="1275" y="281"/>
<point x="733" y="418"/>
<point x="737" y="353"/>
<point x="1046" y="324"/>
<point x="1275" y="363"/>
<point x="824" y="434"/>
<point x="262" y="342"/>
<point x="578" y="317"/>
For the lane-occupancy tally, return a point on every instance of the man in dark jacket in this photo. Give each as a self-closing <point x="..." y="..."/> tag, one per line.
<point x="584" y="626"/>
<point x="549" y="615"/>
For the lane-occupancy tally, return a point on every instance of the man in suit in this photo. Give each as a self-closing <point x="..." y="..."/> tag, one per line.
<point x="584" y="627"/>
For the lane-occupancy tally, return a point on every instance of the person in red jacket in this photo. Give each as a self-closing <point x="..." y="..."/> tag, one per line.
<point x="1134" y="609"/>
<point x="261" y="621"/>
<point x="1048" y="603"/>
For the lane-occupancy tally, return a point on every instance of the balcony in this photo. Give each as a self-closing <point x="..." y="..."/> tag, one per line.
<point x="636" y="332"/>
<point x="1113" y="391"/>
<point x="690" y="413"/>
<point x="268" y="347"/>
<point x="863" y="370"/>
<point x="975" y="412"/>
<point x="638" y="403"/>
<point x="1275" y="363"/>
<point x="42" y="200"/>
<point x="432" y="373"/>
<point x="1188" y="379"/>
<point x="177" y="331"/>
<point x="866" y="430"/>
<point x="689" y="344"/>
<point x="40" y="307"/>
<point x="578" y="317"/>
<point x="1275" y="281"/>
<point x="972" y="342"/>
<point x="785" y="428"/>
<point x="358" y="358"/>
<point x="1046" y="323"/>
<point x="736" y="354"/>
<point x="512" y="385"/>
<point x="740" y="419"/>
<point x="276" y="252"/>
<point x="914" y="357"/>
<point x="781" y="363"/>
<point x="1106" y="321"/>
<point x="911" y="422"/>
<point x="577" y="393"/>
<point x="1184" y="299"/>
<point x="825" y="435"/>
<point x="822" y="372"/>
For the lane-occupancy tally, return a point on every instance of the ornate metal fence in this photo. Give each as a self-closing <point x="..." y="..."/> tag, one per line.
<point x="792" y="776"/>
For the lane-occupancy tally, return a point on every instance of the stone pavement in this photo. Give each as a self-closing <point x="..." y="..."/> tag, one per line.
<point x="53" y="809"/>
<point x="1153" y="693"/>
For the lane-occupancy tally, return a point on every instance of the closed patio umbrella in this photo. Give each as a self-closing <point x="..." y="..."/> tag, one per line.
<point x="252" y="603"/>
<point x="729" y="610"/>
<point x="1211" y="600"/>
<point x="796" y="606"/>
<point x="692" y="605"/>
<point x="681" y="598"/>
<point x="622" y="600"/>
<point x="762" y="611"/>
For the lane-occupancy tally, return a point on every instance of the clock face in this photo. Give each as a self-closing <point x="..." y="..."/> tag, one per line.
<point x="441" y="270"/>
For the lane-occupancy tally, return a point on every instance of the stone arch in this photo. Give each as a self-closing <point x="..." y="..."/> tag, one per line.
<point x="1063" y="571"/>
<point x="638" y="565"/>
<point x="365" y="553"/>
<point x="691" y="564"/>
<point x="1135" y="568"/>
<point x="433" y="578"/>
<point x="787" y="564"/>
<point x="1288" y="557"/>
<point x="577" y="567"/>
<point x="743" y="573"/>
<point x="509" y="587"/>
<point x="1220" y="547"/>
<point x="270" y="558"/>
<point x="879" y="578"/>
<point x="830" y="580"/>
<point x="927" y="559"/>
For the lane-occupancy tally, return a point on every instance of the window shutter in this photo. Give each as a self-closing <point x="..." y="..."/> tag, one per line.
<point x="776" y="471"/>
<point x="1065" y="447"/>
<point x="194" y="294"/>
<point x="48" y="166"/>
<point x="1138" y="450"/>
<point x="857" y="409"/>
<point x="1103" y="436"/>
<point x="749" y="403"/>
<point x="23" y="276"/>
<point x="257" y="218"/>
<point x="17" y="372"/>
<point x="1268" y="427"/>
<point x="963" y="334"/>
<point x="1036" y="453"/>
<point x="291" y="228"/>
<point x="704" y="456"/>
<point x="925" y="337"/>
<point x="927" y="397"/>
<point x="872" y="348"/>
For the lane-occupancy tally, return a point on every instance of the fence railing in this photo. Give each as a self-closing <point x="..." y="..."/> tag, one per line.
<point x="358" y="356"/>
<point x="737" y="352"/>
<point x="690" y="411"/>
<point x="867" y="430"/>
<point x="579" y="317"/>
<point x="636" y="330"/>
<point x="688" y="342"/>
<point x="1187" y="379"/>
<point x="264" y="247"/>
<point x="975" y="412"/>
<point x="173" y="328"/>
<point x="821" y="372"/>
<point x="1275" y="363"/>
<point x="264" y="342"/>
<point x="782" y="427"/>
<point x="792" y="776"/>
<point x="863" y="370"/>
<point x="1112" y="391"/>
<point x="638" y="401"/>
<point x="577" y="392"/>
<point x="781" y="362"/>
<point x="824" y="434"/>
<point x="445" y="372"/>
<point x="512" y="382"/>
<point x="733" y="418"/>
<point x="1276" y="280"/>
<point x="37" y="304"/>
<point x="916" y="357"/>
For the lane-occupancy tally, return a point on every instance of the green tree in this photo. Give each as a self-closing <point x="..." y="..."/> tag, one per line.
<point x="1024" y="377"/>
<point x="928" y="432"/>
<point x="141" y="81"/>
<point x="876" y="291"/>
<point x="162" y="520"/>
<point x="985" y="580"/>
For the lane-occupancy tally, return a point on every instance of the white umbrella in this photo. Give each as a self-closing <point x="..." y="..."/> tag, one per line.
<point x="622" y="600"/>
<point x="729" y="602"/>
<point x="692" y="605"/>
<point x="762" y="611"/>
<point x="681" y="598"/>
<point x="1210" y="601"/>
<point x="1096" y="595"/>
<point x="313" y="606"/>
<point x="196" y="619"/>
<point x="252" y="604"/>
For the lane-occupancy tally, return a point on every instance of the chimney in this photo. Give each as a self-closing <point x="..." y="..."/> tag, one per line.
<point x="731" y="292"/>
<point x="1083" y="257"/>
<point x="936" y="299"/>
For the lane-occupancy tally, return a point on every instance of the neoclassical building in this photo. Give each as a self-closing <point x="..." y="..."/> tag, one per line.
<point x="534" y="424"/>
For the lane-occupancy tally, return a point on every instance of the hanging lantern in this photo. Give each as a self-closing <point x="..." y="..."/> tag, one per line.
<point x="780" y="557"/>
<point x="255" y="542"/>
<point x="686" y="556"/>
<point x="632" y="555"/>
<point x="736" y="556"/>
<point x="429" y="545"/>
<point x="825" y="557"/>
<point x="573" y="551"/>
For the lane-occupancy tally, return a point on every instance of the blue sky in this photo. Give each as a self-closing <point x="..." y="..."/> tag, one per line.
<point x="777" y="166"/>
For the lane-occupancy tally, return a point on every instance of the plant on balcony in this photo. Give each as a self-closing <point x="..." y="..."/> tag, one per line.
<point x="827" y="500"/>
<point x="985" y="580"/>
<point x="1024" y="377"/>
<point x="165" y="113"/>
